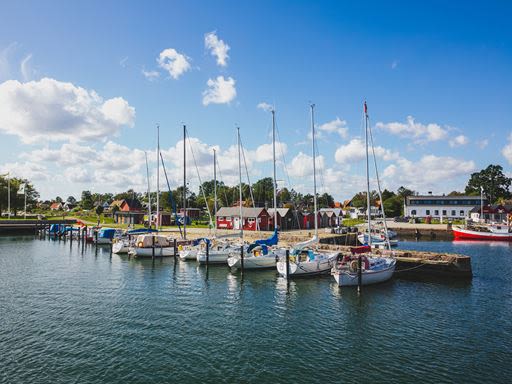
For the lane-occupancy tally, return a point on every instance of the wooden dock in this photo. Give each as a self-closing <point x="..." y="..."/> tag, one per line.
<point x="24" y="227"/>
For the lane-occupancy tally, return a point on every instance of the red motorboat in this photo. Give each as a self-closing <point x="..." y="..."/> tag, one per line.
<point x="483" y="232"/>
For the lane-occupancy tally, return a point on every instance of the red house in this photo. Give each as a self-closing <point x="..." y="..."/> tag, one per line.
<point x="130" y="212"/>
<point x="308" y="220"/>
<point x="253" y="218"/>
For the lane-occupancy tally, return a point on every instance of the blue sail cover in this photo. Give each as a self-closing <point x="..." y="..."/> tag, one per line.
<point x="197" y="241"/>
<point x="107" y="233"/>
<point x="272" y="240"/>
<point x="55" y="228"/>
<point x="140" y="231"/>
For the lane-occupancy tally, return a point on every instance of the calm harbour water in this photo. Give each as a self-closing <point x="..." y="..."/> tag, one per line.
<point x="69" y="315"/>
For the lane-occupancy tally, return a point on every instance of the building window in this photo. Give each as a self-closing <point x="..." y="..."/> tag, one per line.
<point x="413" y="212"/>
<point x="436" y="212"/>
<point x="228" y="218"/>
<point x="444" y="212"/>
<point x="461" y="212"/>
<point x="251" y="220"/>
<point x="453" y="212"/>
<point x="221" y="218"/>
<point x="427" y="212"/>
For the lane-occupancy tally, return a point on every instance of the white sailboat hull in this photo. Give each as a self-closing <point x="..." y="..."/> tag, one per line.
<point x="148" y="252"/>
<point x="120" y="247"/>
<point x="188" y="254"/>
<point x="307" y="268"/>
<point x="253" y="262"/>
<point x="345" y="278"/>
<point x="214" y="257"/>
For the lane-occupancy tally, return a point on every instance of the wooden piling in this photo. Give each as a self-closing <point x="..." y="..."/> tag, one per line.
<point x="207" y="254"/>
<point x="287" y="264"/>
<point x="153" y="248"/>
<point x="175" y="247"/>
<point x="242" y="257"/>
<point x="359" y="274"/>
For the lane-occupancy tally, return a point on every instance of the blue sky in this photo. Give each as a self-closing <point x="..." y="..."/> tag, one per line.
<point x="77" y="111"/>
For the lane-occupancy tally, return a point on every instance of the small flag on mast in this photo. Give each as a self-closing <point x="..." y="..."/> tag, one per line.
<point x="21" y="190"/>
<point x="365" y="108"/>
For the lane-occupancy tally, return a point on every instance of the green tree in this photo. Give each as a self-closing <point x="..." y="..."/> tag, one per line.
<point x="86" y="201"/>
<point x="263" y="191"/>
<point x="58" y="199"/>
<point x="387" y="194"/>
<point x="404" y="192"/>
<point x="71" y="200"/>
<point x="393" y="206"/>
<point x="359" y="200"/>
<point x="492" y="180"/>
<point x="284" y="196"/>
<point x="99" y="210"/>
<point x="325" y="201"/>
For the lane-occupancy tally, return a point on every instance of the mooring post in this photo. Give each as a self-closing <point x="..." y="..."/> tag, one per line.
<point x="71" y="236"/>
<point x="287" y="264"/>
<point x="207" y="254"/>
<point x="359" y="274"/>
<point x="153" y="248"/>
<point x="175" y="247"/>
<point x="242" y="257"/>
<point x="96" y="236"/>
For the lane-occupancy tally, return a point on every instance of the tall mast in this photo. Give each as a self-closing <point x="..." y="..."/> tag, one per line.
<point x="240" y="185"/>
<point x="481" y="204"/>
<point x="378" y="184"/>
<point x="158" y="176"/>
<point x="314" y="165"/>
<point x="149" y="190"/>
<point x="367" y="175"/>
<point x="215" y="188"/>
<point x="184" y="181"/>
<point x="274" y="159"/>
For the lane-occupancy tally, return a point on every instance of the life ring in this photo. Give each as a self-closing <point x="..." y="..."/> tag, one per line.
<point x="140" y="244"/>
<point x="353" y="266"/>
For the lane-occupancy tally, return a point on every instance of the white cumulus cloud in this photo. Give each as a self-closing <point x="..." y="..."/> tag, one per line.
<point x="355" y="151"/>
<point x="417" y="131"/>
<point x="51" y="110"/>
<point x="264" y="151"/>
<point x="430" y="172"/>
<point x="173" y="62"/>
<point x="265" y="106"/>
<point x="302" y="165"/>
<point x="507" y="150"/>
<point x="217" y="48"/>
<point x="458" y="141"/>
<point x="220" y="91"/>
<point x="335" y="126"/>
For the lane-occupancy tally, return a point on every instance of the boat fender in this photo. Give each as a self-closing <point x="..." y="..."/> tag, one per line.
<point x="180" y="247"/>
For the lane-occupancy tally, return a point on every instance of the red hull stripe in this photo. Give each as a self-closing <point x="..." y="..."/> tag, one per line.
<point x="473" y="236"/>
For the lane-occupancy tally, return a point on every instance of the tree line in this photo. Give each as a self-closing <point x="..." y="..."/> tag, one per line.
<point x="492" y="181"/>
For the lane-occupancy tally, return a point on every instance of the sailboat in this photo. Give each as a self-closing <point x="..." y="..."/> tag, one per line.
<point x="190" y="252"/>
<point x="305" y="259"/>
<point x="260" y="254"/>
<point x="369" y="268"/>
<point x="219" y="251"/>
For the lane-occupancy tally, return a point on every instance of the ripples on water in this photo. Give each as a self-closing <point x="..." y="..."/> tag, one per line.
<point x="73" y="316"/>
